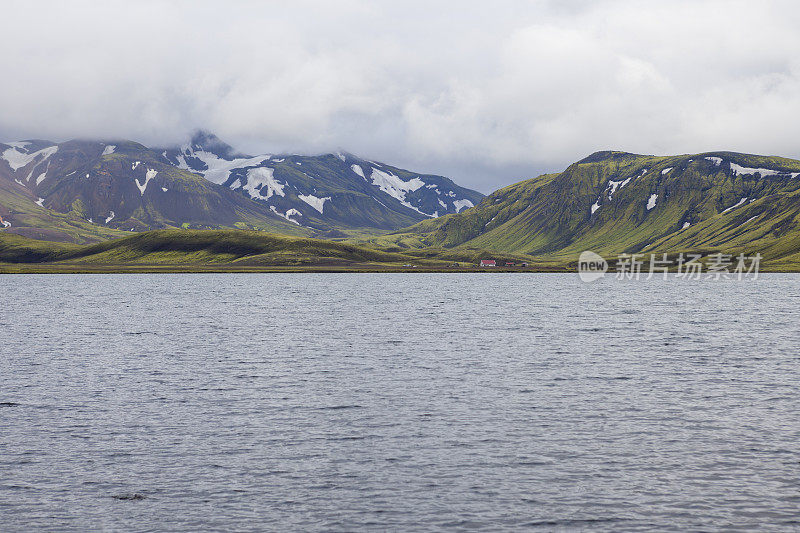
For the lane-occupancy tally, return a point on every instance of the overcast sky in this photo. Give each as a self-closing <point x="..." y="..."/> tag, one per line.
<point x="487" y="93"/>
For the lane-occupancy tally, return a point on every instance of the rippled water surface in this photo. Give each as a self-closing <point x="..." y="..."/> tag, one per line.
<point x="400" y="402"/>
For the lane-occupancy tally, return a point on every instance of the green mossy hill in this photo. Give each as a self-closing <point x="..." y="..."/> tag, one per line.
<point x="190" y="246"/>
<point x="18" y="249"/>
<point x="220" y="246"/>
<point x="233" y="249"/>
<point x="616" y="202"/>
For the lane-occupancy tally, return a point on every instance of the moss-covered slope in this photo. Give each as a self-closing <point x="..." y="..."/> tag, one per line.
<point x="616" y="202"/>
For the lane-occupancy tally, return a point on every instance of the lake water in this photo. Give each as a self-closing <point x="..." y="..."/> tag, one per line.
<point x="343" y="402"/>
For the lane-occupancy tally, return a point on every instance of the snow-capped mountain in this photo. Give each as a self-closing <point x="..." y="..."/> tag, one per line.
<point x="123" y="185"/>
<point x="339" y="188"/>
<point x="118" y="185"/>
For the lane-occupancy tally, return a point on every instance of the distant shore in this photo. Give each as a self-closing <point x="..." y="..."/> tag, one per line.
<point x="237" y="251"/>
<point x="33" y="268"/>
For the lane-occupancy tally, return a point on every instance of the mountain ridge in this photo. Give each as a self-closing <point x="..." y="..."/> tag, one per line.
<point x="126" y="186"/>
<point x="368" y="184"/>
<point x="618" y="202"/>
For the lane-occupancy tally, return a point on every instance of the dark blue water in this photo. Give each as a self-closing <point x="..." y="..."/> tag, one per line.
<point x="398" y="402"/>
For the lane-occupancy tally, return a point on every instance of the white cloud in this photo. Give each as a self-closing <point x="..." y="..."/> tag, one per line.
<point x="486" y="96"/>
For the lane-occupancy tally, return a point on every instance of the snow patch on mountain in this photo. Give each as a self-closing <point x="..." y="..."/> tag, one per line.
<point x="666" y="170"/>
<point x="288" y="214"/>
<point x="357" y="170"/>
<point x="260" y="180"/>
<point x="764" y="172"/>
<point x="393" y="185"/>
<point x="737" y="204"/>
<point x="435" y="214"/>
<point x="110" y="217"/>
<point x="17" y="144"/>
<point x="108" y="150"/>
<point x="147" y="177"/>
<point x="17" y="159"/>
<point x="716" y="160"/>
<point x="218" y="170"/>
<point x="40" y="202"/>
<point x="462" y="204"/>
<point x="313" y="201"/>
<point x="651" y="202"/>
<point x="614" y="185"/>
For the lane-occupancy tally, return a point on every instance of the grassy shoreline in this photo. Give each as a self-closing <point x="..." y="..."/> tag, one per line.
<point x="36" y="268"/>
<point x="48" y="268"/>
<point x="239" y="251"/>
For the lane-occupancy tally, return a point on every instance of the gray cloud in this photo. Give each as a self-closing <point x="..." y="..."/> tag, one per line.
<point x="485" y="95"/>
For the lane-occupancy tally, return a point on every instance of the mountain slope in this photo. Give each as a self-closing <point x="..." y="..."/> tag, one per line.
<point x="21" y="214"/>
<point x="615" y="202"/>
<point x="123" y="185"/>
<point x="326" y="191"/>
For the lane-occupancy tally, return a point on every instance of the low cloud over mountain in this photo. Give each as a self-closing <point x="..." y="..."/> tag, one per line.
<point x="486" y="97"/>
